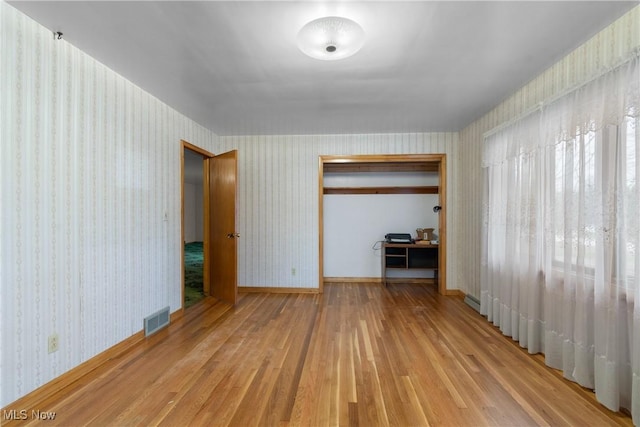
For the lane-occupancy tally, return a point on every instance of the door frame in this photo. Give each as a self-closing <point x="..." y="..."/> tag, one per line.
<point x="206" y="202"/>
<point x="390" y="159"/>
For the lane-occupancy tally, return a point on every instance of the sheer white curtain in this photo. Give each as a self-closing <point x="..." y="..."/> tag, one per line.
<point x="561" y="237"/>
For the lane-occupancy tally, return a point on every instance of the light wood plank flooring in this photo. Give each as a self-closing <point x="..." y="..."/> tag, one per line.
<point x="358" y="355"/>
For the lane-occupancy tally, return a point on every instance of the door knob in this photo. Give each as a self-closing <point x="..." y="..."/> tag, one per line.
<point x="232" y="235"/>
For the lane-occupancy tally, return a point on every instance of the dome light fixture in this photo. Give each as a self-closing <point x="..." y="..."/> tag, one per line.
<point x="331" y="38"/>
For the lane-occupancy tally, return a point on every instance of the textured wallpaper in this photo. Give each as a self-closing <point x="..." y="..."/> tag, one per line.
<point x="278" y="199"/>
<point x="90" y="195"/>
<point x="606" y="49"/>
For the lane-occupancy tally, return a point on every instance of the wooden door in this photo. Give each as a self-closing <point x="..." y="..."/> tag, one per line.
<point x="223" y="237"/>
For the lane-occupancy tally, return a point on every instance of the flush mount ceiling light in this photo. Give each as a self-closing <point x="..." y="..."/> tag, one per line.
<point x="331" y="38"/>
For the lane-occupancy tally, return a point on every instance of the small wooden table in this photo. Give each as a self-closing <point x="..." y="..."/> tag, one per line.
<point x="409" y="256"/>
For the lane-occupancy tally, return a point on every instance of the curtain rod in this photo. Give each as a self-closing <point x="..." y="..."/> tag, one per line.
<point x="635" y="53"/>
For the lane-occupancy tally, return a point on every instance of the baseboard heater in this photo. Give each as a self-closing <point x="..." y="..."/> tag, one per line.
<point x="472" y="302"/>
<point x="156" y="321"/>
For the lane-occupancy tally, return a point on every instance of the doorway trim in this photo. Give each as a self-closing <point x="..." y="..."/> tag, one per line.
<point x="388" y="162"/>
<point x="206" y="202"/>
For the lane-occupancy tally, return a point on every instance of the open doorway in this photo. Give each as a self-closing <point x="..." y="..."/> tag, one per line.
<point x="209" y="236"/>
<point x="387" y="165"/>
<point x="193" y="227"/>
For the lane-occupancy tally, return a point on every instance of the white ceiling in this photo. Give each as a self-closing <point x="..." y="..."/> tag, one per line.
<point x="234" y="67"/>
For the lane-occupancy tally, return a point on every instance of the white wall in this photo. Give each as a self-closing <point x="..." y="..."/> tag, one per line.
<point x="193" y="209"/>
<point x="353" y="223"/>
<point x="199" y="212"/>
<point x="90" y="191"/>
<point x="604" y="50"/>
<point x="278" y="199"/>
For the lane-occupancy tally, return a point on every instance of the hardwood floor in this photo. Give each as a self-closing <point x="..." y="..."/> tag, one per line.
<point x="358" y="355"/>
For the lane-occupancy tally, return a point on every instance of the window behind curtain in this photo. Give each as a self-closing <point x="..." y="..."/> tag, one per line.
<point x="578" y="189"/>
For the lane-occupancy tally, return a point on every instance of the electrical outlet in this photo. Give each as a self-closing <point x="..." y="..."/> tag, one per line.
<point x="53" y="343"/>
<point x="293" y="271"/>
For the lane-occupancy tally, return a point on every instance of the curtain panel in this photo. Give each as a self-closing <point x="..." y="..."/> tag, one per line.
<point x="560" y="238"/>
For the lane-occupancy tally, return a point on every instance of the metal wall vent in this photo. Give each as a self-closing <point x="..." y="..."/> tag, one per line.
<point x="156" y="321"/>
<point x="473" y="302"/>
